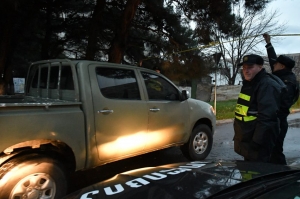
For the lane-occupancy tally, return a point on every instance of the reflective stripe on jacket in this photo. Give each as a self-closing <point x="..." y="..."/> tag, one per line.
<point x="242" y="107"/>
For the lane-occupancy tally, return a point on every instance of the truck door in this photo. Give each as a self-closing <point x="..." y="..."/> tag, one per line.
<point x="121" y="116"/>
<point x="168" y="115"/>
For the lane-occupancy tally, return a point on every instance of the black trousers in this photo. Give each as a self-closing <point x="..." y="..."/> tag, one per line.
<point x="253" y="152"/>
<point x="277" y="156"/>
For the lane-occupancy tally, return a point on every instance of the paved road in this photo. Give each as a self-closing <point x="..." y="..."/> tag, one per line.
<point x="223" y="144"/>
<point x="222" y="150"/>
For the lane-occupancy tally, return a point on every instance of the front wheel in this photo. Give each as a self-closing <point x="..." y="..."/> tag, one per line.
<point x="34" y="178"/>
<point x="200" y="143"/>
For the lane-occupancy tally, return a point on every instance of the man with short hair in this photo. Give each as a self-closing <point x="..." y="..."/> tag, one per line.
<point x="282" y="67"/>
<point x="256" y="125"/>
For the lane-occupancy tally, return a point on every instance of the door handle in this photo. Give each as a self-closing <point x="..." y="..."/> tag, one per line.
<point x="154" y="109"/>
<point x="105" y="111"/>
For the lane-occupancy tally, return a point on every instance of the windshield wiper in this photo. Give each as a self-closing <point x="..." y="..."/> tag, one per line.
<point x="257" y="186"/>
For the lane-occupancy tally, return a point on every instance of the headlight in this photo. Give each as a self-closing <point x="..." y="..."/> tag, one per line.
<point x="213" y="110"/>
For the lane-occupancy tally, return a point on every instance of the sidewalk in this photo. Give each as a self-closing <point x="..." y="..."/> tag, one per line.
<point x="225" y="121"/>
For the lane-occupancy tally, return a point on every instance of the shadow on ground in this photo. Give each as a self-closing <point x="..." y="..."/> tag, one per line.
<point x="85" y="178"/>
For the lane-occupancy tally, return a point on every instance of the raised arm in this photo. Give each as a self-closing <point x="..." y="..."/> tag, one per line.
<point x="270" y="50"/>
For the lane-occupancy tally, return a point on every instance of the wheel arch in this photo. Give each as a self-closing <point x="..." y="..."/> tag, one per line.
<point x="205" y="121"/>
<point x="50" y="148"/>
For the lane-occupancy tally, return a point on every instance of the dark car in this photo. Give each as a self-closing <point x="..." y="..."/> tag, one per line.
<point x="186" y="180"/>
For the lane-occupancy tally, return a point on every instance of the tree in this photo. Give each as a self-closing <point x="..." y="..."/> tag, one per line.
<point x="119" y="44"/>
<point x="7" y="8"/>
<point x="296" y="69"/>
<point x="31" y="30"/>
<point x="94" y="29"/>
<point x="243" y="37"/>
<point x="150" y="32"/>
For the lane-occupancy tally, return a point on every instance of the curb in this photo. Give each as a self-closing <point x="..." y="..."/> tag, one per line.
<point x="295" y="111"/>
<point x="225" y="121"/>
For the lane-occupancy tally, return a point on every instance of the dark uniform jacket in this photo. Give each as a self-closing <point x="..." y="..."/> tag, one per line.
<point x="290" y="80"/>
<point x="256" y="124"/>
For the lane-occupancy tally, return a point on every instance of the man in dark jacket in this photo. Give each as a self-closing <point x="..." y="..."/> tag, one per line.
<point x="282" y="67"/>
<point x="256" y="125"/>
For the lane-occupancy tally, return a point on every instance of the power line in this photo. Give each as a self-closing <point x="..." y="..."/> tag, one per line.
<point x="214" y="43"/>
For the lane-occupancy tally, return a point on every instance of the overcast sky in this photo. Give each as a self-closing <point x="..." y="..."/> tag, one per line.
<point x="289" y="11"/>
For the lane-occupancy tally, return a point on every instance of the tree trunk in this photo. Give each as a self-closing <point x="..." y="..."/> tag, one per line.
<point x="8" y="17"/>
<point x="48" y="31"/>
<point x="94" y="30"/>
<point x="119" y="44"/>
<point x="194" y="89"/>
<point x="232" y="79"/>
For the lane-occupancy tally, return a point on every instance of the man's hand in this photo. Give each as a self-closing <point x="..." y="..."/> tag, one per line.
<point x="267" y="38"/>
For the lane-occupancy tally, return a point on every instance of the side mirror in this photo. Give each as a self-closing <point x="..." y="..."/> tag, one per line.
<point x="185" y="94"/>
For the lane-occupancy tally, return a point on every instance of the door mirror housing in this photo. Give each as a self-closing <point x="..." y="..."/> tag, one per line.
<point x="185" y="94"/>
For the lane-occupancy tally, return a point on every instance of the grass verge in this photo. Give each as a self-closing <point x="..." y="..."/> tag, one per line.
<point x="225" y="109"/>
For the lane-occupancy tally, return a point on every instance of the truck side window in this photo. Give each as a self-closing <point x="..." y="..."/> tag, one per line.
<point x="159" y="89"/>
<point x="116" y="83"/>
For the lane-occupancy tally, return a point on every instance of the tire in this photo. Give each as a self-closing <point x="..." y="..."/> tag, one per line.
<point x="33" y="177"/>
<point x="200" y="143"/>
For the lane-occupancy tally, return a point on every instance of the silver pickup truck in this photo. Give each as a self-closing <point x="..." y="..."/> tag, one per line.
<point x="77" y="115"/>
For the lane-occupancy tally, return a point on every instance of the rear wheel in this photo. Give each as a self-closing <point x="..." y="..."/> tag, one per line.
<point x="34" y="178"/>
<point x="200" y="143"/>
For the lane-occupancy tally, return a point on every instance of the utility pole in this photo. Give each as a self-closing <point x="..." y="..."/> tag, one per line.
<point x="217" y="57"/>
<point x="215" y="99"/>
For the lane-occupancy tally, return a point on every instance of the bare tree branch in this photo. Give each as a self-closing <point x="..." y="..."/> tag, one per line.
<point x="244" y="41"/>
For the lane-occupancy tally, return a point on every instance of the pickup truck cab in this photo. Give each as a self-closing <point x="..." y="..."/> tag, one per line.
<point x="77" y="115"/>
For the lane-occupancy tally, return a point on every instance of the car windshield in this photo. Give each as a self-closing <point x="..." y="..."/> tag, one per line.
<point x="277" y="185"/>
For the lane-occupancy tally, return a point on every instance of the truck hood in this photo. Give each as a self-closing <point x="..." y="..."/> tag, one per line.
<point x="201" y="106"/>
<point x="180" y="180"/>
